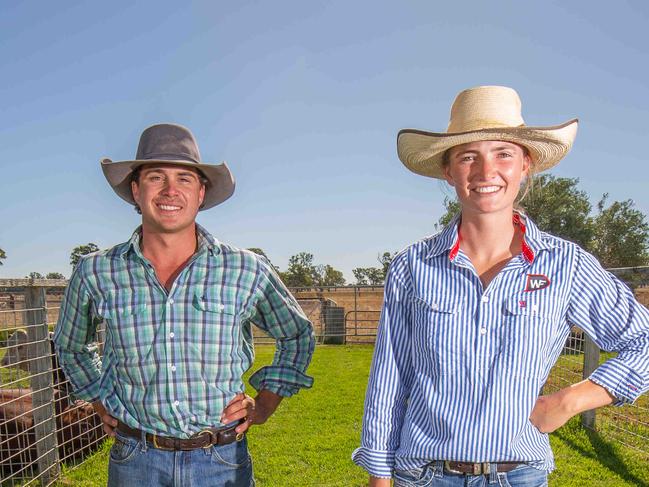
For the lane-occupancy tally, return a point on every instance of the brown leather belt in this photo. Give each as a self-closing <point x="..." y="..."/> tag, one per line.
<point x="479" y="468"/>
<point x="203" y="439"/>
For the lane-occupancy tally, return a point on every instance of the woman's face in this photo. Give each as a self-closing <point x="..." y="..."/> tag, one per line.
<point x="487" y="175"/>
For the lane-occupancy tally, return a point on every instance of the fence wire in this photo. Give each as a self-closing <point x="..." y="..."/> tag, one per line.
<point x="41" y="426"/>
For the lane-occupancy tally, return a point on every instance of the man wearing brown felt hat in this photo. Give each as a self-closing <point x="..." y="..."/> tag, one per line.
<point x="178" y="306"/>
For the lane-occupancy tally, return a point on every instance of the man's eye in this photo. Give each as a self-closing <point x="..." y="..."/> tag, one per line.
<point x="155" y="178"/>
<point x="466" y="158"/>
<point x="504" y="155"/>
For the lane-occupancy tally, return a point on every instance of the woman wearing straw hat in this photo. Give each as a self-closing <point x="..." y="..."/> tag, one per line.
<point x="475" y="317"/>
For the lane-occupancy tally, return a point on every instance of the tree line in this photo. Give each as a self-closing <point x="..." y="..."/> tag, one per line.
<point x="617" y="234"/>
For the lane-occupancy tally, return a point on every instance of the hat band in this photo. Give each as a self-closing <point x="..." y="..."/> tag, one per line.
<point x="170" y="157"/>
<point x="482" y="124"/>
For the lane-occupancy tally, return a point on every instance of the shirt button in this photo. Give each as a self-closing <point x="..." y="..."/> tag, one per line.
<point x="171" y="301"/>
<point x="173" y="368"/>
<point x="172" y="334"/>
<point x="485" y="299"/>
<point x="483" y="331"/>
<point x="176" y="403"/>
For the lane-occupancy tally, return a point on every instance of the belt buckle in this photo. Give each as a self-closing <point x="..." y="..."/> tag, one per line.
<point x="212" y="437"/>
<point x="447" y="467"/>
<point x="159" y="447"/>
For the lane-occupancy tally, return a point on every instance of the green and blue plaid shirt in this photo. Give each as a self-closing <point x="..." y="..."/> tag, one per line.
<point x="173" y="360"/>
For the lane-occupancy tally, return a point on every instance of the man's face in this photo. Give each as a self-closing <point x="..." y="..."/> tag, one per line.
<point x="169" y="197"/>
<point x="487" y="175"/>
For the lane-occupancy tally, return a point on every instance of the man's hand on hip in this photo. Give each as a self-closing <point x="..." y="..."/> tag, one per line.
<point x="108" y="421"/>
<point x="253" y="411"/>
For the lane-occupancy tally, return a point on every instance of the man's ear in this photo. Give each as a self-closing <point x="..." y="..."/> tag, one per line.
<point x="201" y="195"/>
<point x="135" y="191"/>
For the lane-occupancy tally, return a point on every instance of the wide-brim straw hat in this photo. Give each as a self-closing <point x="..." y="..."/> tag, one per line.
<point x="485" y="113"/>
<point x="172" y="144"/>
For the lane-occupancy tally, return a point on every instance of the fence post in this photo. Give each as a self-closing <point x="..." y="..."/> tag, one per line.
<point x="41" y="383"/>
<point x="591" y="362"/>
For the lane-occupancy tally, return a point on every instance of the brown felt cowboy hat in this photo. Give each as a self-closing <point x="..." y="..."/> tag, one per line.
<point x="485" y="113"/>
<point x="168" y="143"/>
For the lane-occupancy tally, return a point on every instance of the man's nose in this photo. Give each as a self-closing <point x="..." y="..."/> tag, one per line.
<point x="170" y="187"/>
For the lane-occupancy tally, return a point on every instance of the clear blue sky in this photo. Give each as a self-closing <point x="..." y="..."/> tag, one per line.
<point x="304" y="101"/>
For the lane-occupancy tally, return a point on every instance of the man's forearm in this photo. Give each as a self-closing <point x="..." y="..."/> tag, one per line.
<point x="266" y="403"/>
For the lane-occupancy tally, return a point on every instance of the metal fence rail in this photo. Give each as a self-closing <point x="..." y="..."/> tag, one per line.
<point x="40" y="425"/>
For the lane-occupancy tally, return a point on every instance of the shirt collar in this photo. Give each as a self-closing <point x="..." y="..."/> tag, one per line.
<point x="448" y="239"/>
<point x="206" y="241"/>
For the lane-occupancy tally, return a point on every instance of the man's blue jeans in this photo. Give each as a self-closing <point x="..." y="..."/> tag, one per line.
<point x="433" y="475"/>
<point x="133" y="463"/>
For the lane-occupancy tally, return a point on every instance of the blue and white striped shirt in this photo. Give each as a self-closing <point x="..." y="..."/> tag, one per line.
<point x="457" y="368"/>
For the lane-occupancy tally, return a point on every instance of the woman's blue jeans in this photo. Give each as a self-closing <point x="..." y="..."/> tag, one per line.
<point x="433" y="475"/>
<point x="133" y="463"/>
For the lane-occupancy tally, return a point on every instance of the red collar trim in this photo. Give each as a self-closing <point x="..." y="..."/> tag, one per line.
<point x="526" y="250"/>
<point x="456" y="246"/>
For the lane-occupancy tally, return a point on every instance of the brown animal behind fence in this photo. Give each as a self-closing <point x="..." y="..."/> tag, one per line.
<point x="78" y="429"/>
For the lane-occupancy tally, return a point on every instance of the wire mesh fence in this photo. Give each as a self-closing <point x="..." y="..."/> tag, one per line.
<point x="41" y="426"/>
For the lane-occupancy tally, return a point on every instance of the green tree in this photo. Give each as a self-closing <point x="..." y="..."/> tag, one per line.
<point x="80" y="251"/>
<point x="54" y="275"/>
<point x="452" y="207"/>
<point x="300" y="271"/>
<point x="3" y="256"/>
<point x="374" y="276"/>
<point x="303" y="272"/>
<point x="35" y="275"/>
<point x="558" y="207"/>
<point x="328" y="276"/>
<point x="621" y="235"/>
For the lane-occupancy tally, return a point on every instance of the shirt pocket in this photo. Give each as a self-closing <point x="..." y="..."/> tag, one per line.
<point x="437" y="336"/>
<point x="526" y="336"/>
<point x="130" y="334"/>
<point x="216" y="338"/>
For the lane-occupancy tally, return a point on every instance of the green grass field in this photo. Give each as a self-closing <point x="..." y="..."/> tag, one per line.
<point x="309" y="440"/>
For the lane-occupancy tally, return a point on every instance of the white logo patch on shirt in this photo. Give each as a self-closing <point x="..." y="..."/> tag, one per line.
<point x="536" y="282"/>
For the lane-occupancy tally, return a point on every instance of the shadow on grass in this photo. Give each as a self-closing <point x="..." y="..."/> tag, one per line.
<point x="604" y="452"/>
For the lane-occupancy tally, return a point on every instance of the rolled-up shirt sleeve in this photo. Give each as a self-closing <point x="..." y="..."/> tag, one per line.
<point x="74" y="339"/>
<point x="390" y="378"/>
<point x="607" y="311"/>
<point x="278" y="313"/>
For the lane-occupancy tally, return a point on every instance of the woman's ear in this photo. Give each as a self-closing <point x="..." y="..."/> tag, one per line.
<point x="447" y="175"/>
<point x="527" y="164"/>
